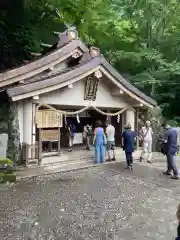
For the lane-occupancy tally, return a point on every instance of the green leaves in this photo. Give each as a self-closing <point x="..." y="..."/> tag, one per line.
<point x="140" y="38"/>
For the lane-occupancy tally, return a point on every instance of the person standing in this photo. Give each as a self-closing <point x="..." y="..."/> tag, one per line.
<point x="88" y="135"/>
<point x="110" y="133"/>
<point x="170" y="150"/>
<point x="71" y="133"/>
<point x="99" y="143"/>
<point x="178" y="218"/>
<point x="146" y="137"/>
<point x="128" y="142"/>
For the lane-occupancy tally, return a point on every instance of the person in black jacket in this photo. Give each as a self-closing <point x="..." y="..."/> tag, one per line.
<point x="171" y="148"/>
<point x="178" y="217"/>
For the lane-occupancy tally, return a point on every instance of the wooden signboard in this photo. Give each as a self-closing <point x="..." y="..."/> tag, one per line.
<point x="91" y="87"/>
<point x="49" y="119"/>
<point x="49" y="135"/>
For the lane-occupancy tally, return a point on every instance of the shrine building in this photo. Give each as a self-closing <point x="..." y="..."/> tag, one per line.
<point x="71" y="83"/>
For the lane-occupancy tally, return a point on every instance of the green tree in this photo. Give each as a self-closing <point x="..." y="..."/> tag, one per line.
<point x="140" y="38"/>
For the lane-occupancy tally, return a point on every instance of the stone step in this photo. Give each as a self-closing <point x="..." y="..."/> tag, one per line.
<point x="55" y="168"/>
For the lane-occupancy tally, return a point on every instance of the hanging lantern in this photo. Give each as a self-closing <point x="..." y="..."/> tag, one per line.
<point x="118" y="118"/>
<point x="77" y="117"/>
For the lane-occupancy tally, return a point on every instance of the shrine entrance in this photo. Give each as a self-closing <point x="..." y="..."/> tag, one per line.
<point x="51" y="131"/>
<point x="90" y="117"/>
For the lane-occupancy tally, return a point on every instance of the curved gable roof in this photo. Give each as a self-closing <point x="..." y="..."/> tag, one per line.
<point x="35" y="67"/>
<point x="126" y="83"/>
<point x="80" y="71"/>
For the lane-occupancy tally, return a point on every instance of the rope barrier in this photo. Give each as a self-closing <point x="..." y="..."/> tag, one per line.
<point x="81" y="110"/>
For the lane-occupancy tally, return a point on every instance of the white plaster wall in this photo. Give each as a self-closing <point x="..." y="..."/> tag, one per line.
<point x="21" y="119"/>
<point x="130" y="118"/>
<point x="75" y="96"/>
<point x="27" y="116"/>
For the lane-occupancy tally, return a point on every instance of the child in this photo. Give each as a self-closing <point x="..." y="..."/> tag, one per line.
<point x="178" y="217"/>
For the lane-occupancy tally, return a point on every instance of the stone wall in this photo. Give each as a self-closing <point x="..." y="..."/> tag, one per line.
<point x="14" y="149"/>
<point x="9" y="124"/>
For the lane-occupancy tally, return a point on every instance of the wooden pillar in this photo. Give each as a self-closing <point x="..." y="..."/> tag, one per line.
<point x="123" y="122"/>
<point x="59" y="140"/>
<point x="137" y="127"/>
<point x="27" y="125"/>
<point x="33" y="139"/>
<point x="50" y="146"/>
<point x="130" y="118"/>
<point x="108" y="118"/>
<point x="24" y="155"/>
<point x="40" y="148"/>
<point x="33" y="129"/>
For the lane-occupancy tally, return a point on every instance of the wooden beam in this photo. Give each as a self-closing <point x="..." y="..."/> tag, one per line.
<point x="21" y="82"/>
<point x="57" y="33"/>
<point x="46" y="45"/>
<point x="59" y="140"/>
<point x="36" y="54"/>
<point x="26" y="61"/>
<point x="36" y="97"/>
<point x="76" y="55"/>
<point x="116" y="92"/>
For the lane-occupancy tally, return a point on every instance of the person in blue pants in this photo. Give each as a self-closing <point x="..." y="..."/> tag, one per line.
<point x="170" y="150"/>
<point x="128" y="138"/>
<point x="99" y="143"/>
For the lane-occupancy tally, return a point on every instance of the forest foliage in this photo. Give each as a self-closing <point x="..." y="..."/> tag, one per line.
<point x="140" y="38"/>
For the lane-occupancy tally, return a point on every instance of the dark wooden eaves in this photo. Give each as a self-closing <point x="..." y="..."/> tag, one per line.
<point x="69" y="74"/>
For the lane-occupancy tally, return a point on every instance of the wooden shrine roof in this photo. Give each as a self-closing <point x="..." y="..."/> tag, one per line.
<point x="32" y="82"/>
<point x="78" y="71"/>
<point x="64" y="51"/>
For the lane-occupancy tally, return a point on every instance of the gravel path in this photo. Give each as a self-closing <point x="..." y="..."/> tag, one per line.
<point x="102" y="203"/>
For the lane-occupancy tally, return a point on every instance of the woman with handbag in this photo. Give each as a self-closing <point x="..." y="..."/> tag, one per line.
<point x="99" y="143"/>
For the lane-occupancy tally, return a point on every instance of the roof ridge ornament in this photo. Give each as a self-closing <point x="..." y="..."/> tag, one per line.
<point x="98" y="74"/>
<point x="67" y="36"/>
<point x="92" y="53"/>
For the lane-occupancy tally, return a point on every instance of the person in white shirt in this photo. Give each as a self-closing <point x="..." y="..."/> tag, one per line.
<point x="110" y="134"/>
<point x="146" y="137"/>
